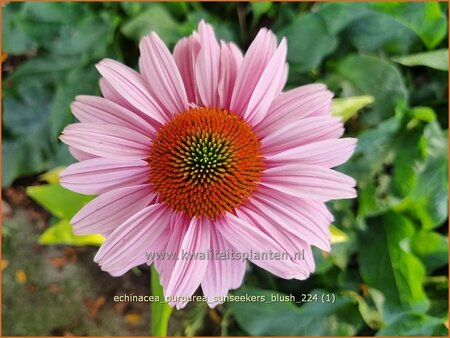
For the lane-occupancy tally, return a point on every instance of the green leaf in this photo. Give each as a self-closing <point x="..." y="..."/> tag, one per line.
<point x="259" y="9"/>
<point x="61" y="233"/>
<point x="348" y="106"/>
<point x="370" y="315"/>
<point x="50" y="12"/>
<point x="97" y="35"/>
<point x="389" y="27"/>
<point x="437" y="59"/>
<point x="160" y="311"/>
<point x="388" y="163"/>
<point x="25" y="120"/>
<point x="424" y="18"/>
<point x="428" y="199"/>
<point x="437" y="290"/>
<point x="48" y="65"/>
<point x="387" y="264"/>
<point x="370" y="75"/>
<point x="59" y="201"/>
<point x="269" y="317"/>
<point x="155" y="18"/>
<point x="377" y="31"/>
<point x="414" y="324"/>
<point x="14" y="40"/>
<point x="372" y="149"/>
<point x="309" y="41"/>
<point x="431" y="248"/>
<point x="339" y="15"/>
<point x="79" y="81"/>
<point x="68" y="28"/>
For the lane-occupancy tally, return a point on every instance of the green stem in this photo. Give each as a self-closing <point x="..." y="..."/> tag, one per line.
<point x="161" y="311"/>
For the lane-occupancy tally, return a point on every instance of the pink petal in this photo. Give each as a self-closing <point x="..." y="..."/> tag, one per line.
<point x="126" y="246"/>
<point x="268" y="86"/>
<point x="294" y="246"/>
<point x="185" y="55"/>
<point x="296" y="104"/>
<point x="246" y="238"/>
<point x="295" y="216"/>
<point x="99" y="175"/>
<point x="156" y="245"/>
<point x="132" y="88"/>
<point x="327" y="153"/>
<point x="207" y="66"/>
<point x="80" y="155"/>
<point x="282" y="82"/>
<point x="230" y="61"/>
<point x="301" y="132"/>
<point x="179" y="224"/>
<point x="111" y="94"/>
<point x="188" y="273"/>
<point x="309" y="181"/>
<point x="107" y="141"/>
<point x="109" y="210"/>
<point x="255" y="61"/>
<point x="221" y="274"/>
<point x="94" y="109"/>
<point x="164" y="81"/>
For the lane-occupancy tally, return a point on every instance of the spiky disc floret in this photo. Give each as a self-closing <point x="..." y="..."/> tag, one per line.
<point x="205" y="161"/>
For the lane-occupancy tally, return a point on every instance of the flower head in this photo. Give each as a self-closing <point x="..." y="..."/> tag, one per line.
<point x="203" y="152"/>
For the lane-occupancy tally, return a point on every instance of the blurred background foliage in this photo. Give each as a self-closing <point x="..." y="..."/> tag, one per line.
<point x="388" y="66"/>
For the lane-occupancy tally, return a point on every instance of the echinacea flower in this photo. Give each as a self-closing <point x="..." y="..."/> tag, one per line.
<point x="202" y="150"/>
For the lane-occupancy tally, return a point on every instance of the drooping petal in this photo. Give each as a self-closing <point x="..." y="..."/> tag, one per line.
<point x="294" y="105"/>
<point x="247" y="238"/>
<point x="155" y="245"/>
<point x="109" y="210"/>
<point x="309" y="181"/>
<point x="296" y="249"/>
<point x="230" y="61"/>
<point x="301" y="132"/>
<point x="126" y="246"/>
<point x="221" y="274"/>
<point x="99" y="175"/>
<point x="132" y="88"/>
<point x="107" y="141"/>
<point x="253" y="65"/>
<point x="163" y="78"/>
<point x="188" y="272"/>
<point x="165" y="263"/>
<point x="327" y="153"/>
<point x="80" y="155"/>
<point x="268" y="86"/>
<point x="94" y="109"/>
<point x="295" y="216"/>
<point x="207" y="66"/>
<point x="185" y="55"/>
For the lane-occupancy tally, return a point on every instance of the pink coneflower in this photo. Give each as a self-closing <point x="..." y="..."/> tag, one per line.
<point x="202" y="151"/>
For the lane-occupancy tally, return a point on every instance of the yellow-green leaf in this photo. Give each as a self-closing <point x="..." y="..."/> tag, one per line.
<point x="337" y="236"/>
<point x="52" y="176"/>
<point x="59" y="201"/>
<point x="61" y="233"/>
<point x="348" y="106"/>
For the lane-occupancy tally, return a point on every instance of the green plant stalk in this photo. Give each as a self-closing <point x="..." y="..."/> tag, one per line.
<point x="161" y="311"/>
